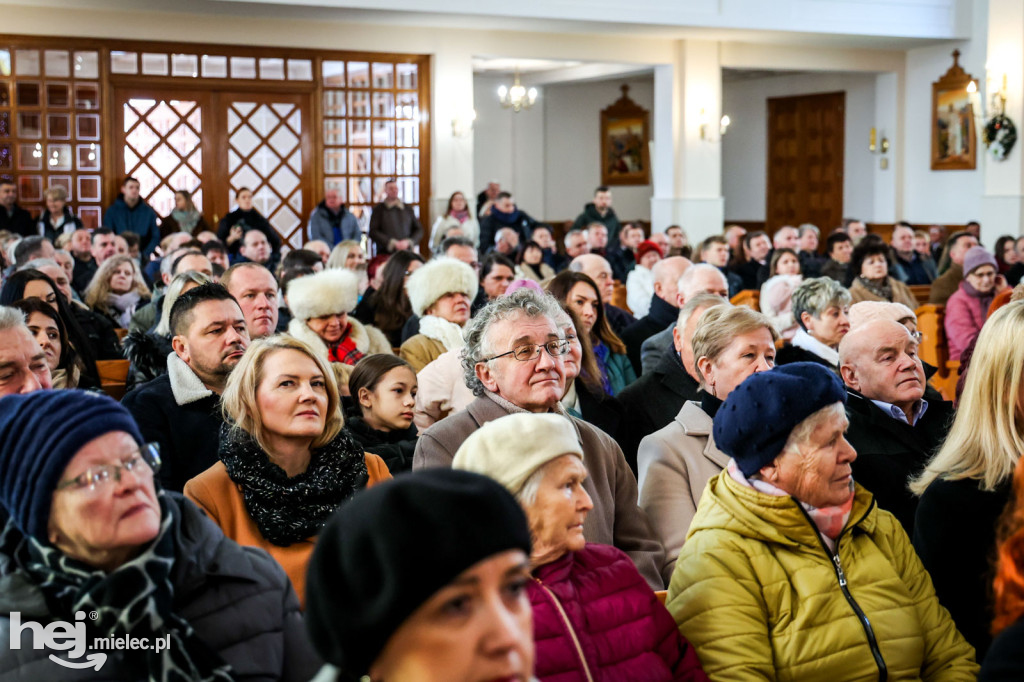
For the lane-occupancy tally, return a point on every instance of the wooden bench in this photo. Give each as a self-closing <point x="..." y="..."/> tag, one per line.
<point x="748" y="297"/>
<point x="921" y="292"/>
<point x="113" y="377"/>
<point x="934" y="349"/>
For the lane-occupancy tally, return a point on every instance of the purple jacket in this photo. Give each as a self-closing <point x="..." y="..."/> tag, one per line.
<point x="592" y="611"/>
<point x="965" y="314"/>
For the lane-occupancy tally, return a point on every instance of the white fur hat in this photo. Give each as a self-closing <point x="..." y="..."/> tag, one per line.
<point x="439" y="277"/>
<point x="331" y="291"/>
<point x="512" y="448"/>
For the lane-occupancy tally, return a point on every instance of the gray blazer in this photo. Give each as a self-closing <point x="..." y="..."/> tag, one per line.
<point x="675" y="465"/>
<point x="615" y="519"/>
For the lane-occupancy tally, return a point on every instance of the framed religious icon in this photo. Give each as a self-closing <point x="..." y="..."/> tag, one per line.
<point x="954" y="138"/>
<point x="625" y="137"/>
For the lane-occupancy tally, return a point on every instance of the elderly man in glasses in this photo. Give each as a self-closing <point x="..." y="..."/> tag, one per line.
<point x="514" y="360"/>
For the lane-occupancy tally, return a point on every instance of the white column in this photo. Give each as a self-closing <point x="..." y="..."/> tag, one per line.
<point x="887" y="205"/>
<point x="451" y="150"/>
<point x="688" y="168"/>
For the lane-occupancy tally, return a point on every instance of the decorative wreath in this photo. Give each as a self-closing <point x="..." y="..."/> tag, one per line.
<point x="999" y="136"/>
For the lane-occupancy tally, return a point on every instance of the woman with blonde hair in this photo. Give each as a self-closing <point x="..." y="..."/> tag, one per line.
<point x="285" y="462"/>
<point x="347" y="254"/>
<point x="117" y="290"/>
<point x="972" y="474"/>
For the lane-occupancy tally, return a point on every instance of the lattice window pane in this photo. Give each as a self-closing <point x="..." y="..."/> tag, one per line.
<point x="87" y="64"/>
<point x="408" y="76"/>
<point x="185" y="65"/>
<point x="58" y="64"/>
<point x="87" y="126"/>
<point x="30" y="188"/>
<point x="87" y="96"/>
<point x="26" y="62"/>
<point x="30" y="156"/>
<point x="5" y="95"/>
<point x="28" y="94"/>
<point x="58" y="95"/>
<point x="90" y="216"/>
<point x="88" y="157"/>
<point x="243" y="67"/>
<point x="300" y="69"/>
<point x="154" y="64"/>
<point x="124" y="62"/>
<point x="58" y="126"/>
<point x="271" y="68"/>
<point x="214" y="66"/>
<point x="358" y="74"/>
<point x="30" y="125"/>
<point x="88" y="188"/>
<point x="383" y="75"/>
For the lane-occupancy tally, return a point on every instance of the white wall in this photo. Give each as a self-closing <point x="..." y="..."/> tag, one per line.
<point x="744" y="148"/>
<point x="548" y="156"/>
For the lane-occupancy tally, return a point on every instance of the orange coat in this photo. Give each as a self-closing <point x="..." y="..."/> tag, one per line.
<point x="217" y="495"/>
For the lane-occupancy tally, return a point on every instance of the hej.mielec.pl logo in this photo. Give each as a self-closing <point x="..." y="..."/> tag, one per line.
<point x="72" y="638"/>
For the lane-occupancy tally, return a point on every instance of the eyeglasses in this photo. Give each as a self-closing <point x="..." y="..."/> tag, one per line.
<point x="531" y="351"/>
<point x="143" y="463"/>
<point x="917" y="336"/>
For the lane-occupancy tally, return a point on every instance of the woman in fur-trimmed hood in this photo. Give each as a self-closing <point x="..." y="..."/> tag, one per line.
<point x="320" y="304"/>
<point x="441" y="293"/>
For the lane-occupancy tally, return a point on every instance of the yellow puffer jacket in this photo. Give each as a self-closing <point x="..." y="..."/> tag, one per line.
<point x="758" y="593"/>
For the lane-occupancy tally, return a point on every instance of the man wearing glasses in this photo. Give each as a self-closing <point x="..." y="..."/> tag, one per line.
<point x="893" y="428"/>
<point x="514" y="361"/>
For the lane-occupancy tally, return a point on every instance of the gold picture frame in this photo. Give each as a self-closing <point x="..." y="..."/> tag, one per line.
<point x="954" y="137"/>
<point x="625" y="137"/>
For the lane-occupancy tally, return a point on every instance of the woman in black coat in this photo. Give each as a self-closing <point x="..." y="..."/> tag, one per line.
<point x="88" y="532"/>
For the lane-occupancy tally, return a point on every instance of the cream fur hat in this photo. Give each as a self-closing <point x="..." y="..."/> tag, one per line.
<point x="331" y="291"/>
<point x="512" y="448"/>
<point x="438" y="277"/>
<point x="869" y="311"/>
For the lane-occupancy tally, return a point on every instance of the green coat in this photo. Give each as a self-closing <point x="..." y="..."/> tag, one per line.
<point x="756" y="591"/>
<point x="620" y="372"/>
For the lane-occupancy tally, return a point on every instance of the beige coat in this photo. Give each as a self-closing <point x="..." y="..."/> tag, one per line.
<point x="675" y="464"/>
<point x="901" y="293"/>
<point x="421" y="350"/>
<point x="442" y="390"/>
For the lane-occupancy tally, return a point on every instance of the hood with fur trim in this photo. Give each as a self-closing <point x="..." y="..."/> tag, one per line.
<point x="368" y="339"/>
<point x="331" y="291"/>
<point x="438" y="277"/>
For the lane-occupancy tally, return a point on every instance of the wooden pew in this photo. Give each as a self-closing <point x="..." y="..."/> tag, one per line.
<point x="921" y="293"/>
<point x="748" y="297"/>
<point x="619" y="297"/>
<point x="934" y="349"/>
<point x="113" y="377"/>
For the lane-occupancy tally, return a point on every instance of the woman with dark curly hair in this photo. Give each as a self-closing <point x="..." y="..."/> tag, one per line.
<point x="870" y="279"/>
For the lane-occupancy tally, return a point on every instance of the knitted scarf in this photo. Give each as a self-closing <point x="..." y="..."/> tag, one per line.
<point x="440" y="329"/>
<point x="345" y="351"/>
<point x="136" y="599"/>
<point x="829" y="521"/>
<point x="984" y="297"/>
<point x="187" y="220"/>
<point x="289" y="510"/>
<point x="880" y="288"/>
<point x="122" y="306"/>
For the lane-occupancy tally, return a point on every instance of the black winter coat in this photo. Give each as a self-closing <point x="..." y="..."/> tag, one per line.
<point x="955" y="536"/>
<point x="661" y="315"/>
<point x="394" y="447"/>
<point x="189" y="434"/>
<point x="891" y="452"/>
<point x="1005" y="659"/>
<point x="601" y="410"/>
<point x="99" y="332"/>
<point x="653" y="401"/>
<point x="238" y="600"/>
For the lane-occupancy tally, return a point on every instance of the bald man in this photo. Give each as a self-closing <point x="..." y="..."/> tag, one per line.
<point x="894" y="430"/>
<point x="599" y="269"/>
<point x="664" y="307"/>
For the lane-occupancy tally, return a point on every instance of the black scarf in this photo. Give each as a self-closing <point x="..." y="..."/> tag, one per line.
<point x="136" y="600"/>
<point x="289" y="510"/>
<point x="882" y="289"/>
<point x="709" y="404"/>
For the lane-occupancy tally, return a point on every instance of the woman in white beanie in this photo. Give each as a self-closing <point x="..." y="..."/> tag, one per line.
<point x="594" y="616"/>
<point x="441" y="293"/>
<point x="320" y="305"/>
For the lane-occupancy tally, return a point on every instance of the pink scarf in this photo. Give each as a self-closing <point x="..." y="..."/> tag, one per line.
<point x="461" y="216"/>
<point x="829" y="521"/>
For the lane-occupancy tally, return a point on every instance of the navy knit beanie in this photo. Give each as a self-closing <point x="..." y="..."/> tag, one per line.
<point x="40" y="433"/>
<point x="754" y="423"/>
<point x="388" y="550"/>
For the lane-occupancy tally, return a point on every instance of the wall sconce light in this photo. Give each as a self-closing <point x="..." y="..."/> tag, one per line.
<point x="874" y="145"/>
<point x="462" y="124"/>
<point x="723" y="127"/>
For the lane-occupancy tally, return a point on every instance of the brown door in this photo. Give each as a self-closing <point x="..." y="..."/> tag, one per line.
<point x="805" y="161"/>
<point x="213" y="144"/>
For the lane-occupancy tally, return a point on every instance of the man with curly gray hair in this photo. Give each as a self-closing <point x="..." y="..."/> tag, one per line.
<point x="514" y="361"/>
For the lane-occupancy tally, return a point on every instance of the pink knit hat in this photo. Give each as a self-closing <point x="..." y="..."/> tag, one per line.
<point x="869" y="311"/>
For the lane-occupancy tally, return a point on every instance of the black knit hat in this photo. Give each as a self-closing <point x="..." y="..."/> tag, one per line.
<point x="755" y="421"/>
<point x="388" y="550"/>
<point x="40" y="433"/>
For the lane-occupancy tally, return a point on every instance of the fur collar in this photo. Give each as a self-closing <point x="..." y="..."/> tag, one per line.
<point x="440" y="329"/>
<point x="185" y="385"/>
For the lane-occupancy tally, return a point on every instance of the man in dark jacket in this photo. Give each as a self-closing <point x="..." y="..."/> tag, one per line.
<point x="949" y="281"/>
<point x="653" y="400"/>
<point x="393" y="224"/>
<point x="894" y="430"/>
<point x="14" y="218"/>
<point x="600" y="211"/>
<point x="715" y="251"/>
<point x="181" y="409"/>
<point x="839" y="247"/>
<point x="129" y="213"/>
<point x="907" y="258"/>
<point x="504" y="213"/>
<point x="663" y="310"/>
<point x="331" y="222"/>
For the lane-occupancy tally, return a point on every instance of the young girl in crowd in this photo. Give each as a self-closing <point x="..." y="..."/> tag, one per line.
<point x="777" y="293"/>
<point x="383" y="388"/>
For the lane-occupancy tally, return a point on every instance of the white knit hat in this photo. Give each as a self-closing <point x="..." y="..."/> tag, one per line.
<point x="440" y="276"/>
<point x="869" y="311"/>
<point x="512" y="448"/>
<point x="329" y="292"/>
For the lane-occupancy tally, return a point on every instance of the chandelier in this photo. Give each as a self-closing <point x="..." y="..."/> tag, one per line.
<point x="517" y="97"/>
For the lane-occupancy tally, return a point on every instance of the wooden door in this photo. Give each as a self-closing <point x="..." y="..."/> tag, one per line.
<point x="267" y="147"/>
<point x="164" y="142"/>
<point x="805" y="160"/>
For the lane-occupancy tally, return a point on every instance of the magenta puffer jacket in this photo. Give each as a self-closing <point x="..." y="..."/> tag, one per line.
<point x="596" y="620"/>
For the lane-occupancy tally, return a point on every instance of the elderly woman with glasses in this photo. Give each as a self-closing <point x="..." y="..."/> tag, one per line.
<point x="594" y="617"/>
<point x="89" y="532"/>
<point x="790" y="570"/>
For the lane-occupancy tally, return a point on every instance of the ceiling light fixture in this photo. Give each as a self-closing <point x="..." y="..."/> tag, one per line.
<point x="517" y="97"/>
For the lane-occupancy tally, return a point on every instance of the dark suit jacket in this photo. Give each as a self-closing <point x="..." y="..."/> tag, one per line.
<point x="891" y="452"/>
<point x="618" y="318"/>
<point x="653" y="401"/>
<point x="661" y="315"/>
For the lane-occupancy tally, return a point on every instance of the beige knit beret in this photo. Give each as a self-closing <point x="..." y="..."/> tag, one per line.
<point x="512" y="448"/>
<point x="869" y="311"/>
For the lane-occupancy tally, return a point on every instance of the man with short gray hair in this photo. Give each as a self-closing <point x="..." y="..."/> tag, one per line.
<point x="702" y="278"/>
<point x="23" y="367"/>
<point x="514" y="361"/>
<point x="663" y="309"/>
<point x="31" y="248"/>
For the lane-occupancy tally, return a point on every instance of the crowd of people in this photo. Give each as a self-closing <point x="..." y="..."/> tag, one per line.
<point x="470" y="453"/>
